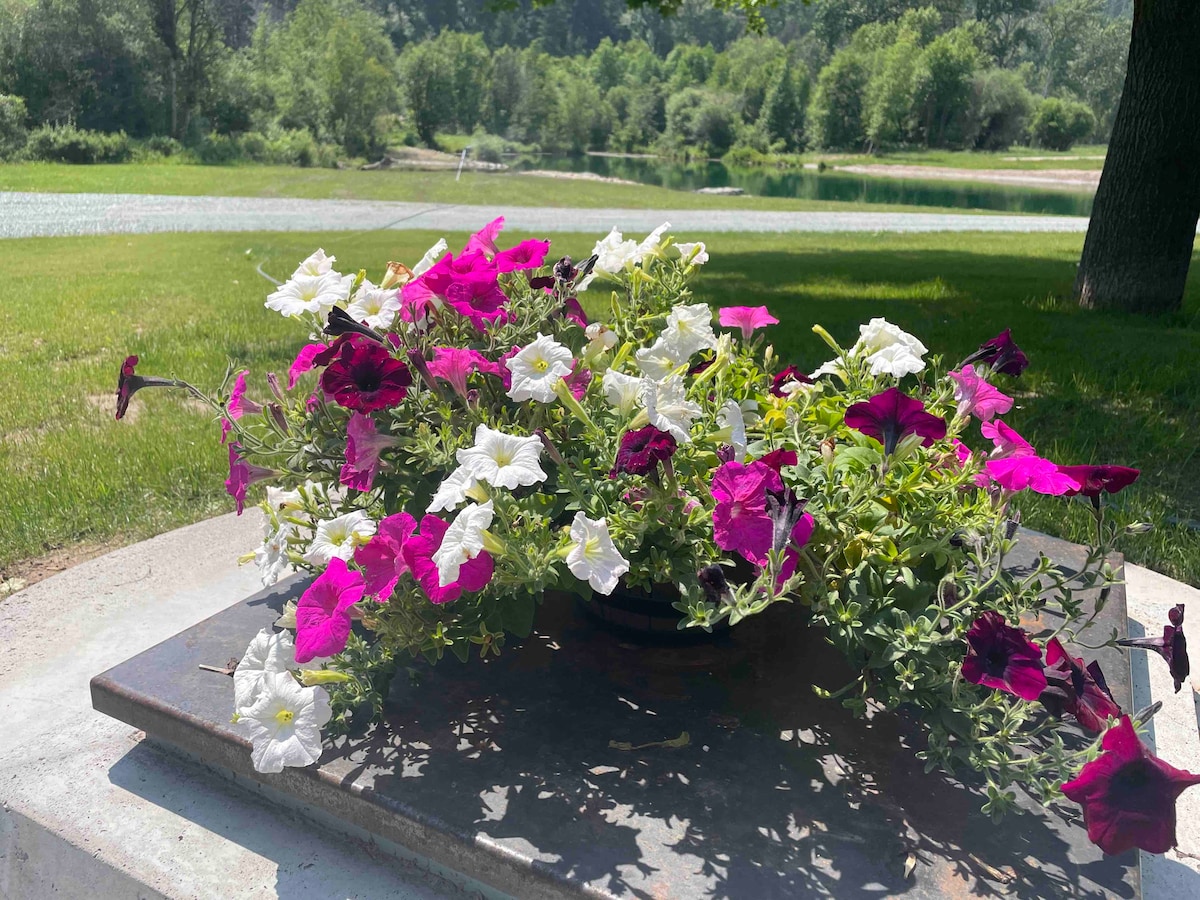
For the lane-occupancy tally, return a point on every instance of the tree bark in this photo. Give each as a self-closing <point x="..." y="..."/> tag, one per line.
<point x="1143" y="226"/>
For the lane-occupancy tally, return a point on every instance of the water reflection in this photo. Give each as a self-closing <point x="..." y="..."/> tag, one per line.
<point x="808" y="184"/>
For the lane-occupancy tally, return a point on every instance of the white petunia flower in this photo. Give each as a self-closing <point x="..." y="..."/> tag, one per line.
<point x="284" y="723"/>
<point x="594" y="558"/>
<point x="271" y="556"/>
<point x="650" y="245"/>
<point x="689" y="328"/>
<point x="897" y="360"/>
<point x="338" y="537"/>
<point x="884" y="344"/>
<point x="287" y="618"/>
<point x="600" y="338"/>
<point x="730" y="417"/>
<point x="377" y="307"/>
<point x="614" y="254"/>
<point x="622" y="390"/>
<point x="311" y="294"/>
<point x="462" y="541"/>
<point x="269" y="652"/>
<point x="832" y="367"/>
<point x="503" y="460"/>
<point x="668" y="408"/>
<point x="432" y="255"/>
<point x="537" y="369"/>
<point x="658" y="360"/>
<point x="693" y="254"/>
<point x="317" y="264"/>
<point x="452" y="492"/>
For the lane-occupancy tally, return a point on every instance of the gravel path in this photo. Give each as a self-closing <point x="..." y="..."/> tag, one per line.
<point x="53" y="215"/>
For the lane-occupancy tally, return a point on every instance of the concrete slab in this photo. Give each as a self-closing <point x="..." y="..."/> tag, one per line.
<point x="87" y="808"/>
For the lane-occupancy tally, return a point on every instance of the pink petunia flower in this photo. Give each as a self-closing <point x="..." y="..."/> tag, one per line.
<point x="976" y="397"/>
<point x="740" y="519"/>
<point x="454" y="365"/>
<point x="323" y="613"/>
<point x="801" y="534"/>
<point x="303" y="362"/>
<point x="526" y="255"/>
<point x="480" y="302"/>
<point x="418" y="550"/>
<point x="484" y="240"/>
<point x="382" y="558"/>
<point x="1128" y="794"/>
<point x="1078" y="690"/>
<point x="1018" y="473"/>
<point x="579" y="380"/>
<point x="747" y="318"/>
<point x="1006" y="441"/>
<point x="363" y="446"/>
<point x="239" y="405"/>
<point x="241" y="475"/>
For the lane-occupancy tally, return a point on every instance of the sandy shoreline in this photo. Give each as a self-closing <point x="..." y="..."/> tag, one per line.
<point x="1070" y="179"/>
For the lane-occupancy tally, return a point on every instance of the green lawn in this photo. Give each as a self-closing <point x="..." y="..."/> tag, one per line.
<point x="1101" y="387"/>
<point x="1083" y="157"/>
<point x="476" y="188"/>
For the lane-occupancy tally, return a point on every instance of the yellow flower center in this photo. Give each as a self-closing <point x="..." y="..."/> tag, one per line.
<point x="284" y="716"/>
<point x="541" y="365"/>
<point x="502" y="457"/>
<point x="591" y="548"/>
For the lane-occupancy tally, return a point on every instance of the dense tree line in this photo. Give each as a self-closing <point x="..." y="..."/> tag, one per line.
<point x="288" y="79"/>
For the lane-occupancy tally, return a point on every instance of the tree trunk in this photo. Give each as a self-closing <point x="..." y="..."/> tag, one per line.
<point x="174" y="98"/>
<point x="1139" y="241"/>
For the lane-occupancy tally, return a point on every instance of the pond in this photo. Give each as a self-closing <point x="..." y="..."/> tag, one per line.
<point x="809" y="184"/>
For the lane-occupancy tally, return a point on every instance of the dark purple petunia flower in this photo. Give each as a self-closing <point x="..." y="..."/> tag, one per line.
<point x="573" y="311"/>
<point x="129" y="383"/>
<point x="1094" y="479"/>
<point x="365" y="377"/>
<point x="340" y="322"/>
<point x="1001" y="353"/>
<point x="541" y="282"/>
<point x="641" y="451"/>
<point x="890" y="416"/>
<point x="1128" y="794"/>
<point x="788" y="375"/>
<point x="1002" y="657"/>
<point x="777" y="459"/>
<point x="1080" y="691"/>
<point x="1172" y="646"/>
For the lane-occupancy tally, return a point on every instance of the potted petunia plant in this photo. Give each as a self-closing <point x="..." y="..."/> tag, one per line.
<point x="466" y="435"/>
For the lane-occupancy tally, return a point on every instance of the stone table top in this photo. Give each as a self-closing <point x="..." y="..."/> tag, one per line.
<point x="517" y="771"/>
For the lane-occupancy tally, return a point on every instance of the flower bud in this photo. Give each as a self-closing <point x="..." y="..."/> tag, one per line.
<point x="827" y="446"/>
<point x="1139" y="528"/>
<point x="314" y="677"/>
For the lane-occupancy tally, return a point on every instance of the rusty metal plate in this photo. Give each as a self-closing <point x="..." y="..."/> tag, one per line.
<point x="517" y="771"/>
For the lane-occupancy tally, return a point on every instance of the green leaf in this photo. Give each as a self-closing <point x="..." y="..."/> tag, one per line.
<point x="518" y="614"/>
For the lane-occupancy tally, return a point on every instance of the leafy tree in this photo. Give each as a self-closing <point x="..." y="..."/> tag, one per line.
<point x="12" y="125"/>
<point x="1001" y="106"/>
<point x="1058" y="124"/>
<point x="782" y="116"/>
<point x="942" y="83"/>
<point x="835" y="114"/>
<point x="190" y="33"/>
<point x="696" y="118"/>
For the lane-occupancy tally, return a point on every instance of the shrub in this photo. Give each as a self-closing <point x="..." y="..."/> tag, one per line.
<point x="68" y="144"/>
<point x="1059" y="123"/>
<point x="217" y="150"/>
<point x="489" y="147"/>
<point x="700" y="120"/>
<point x="1001" y="106"/>
<point x="12" y="125"/>
<point x="162" y="145"/>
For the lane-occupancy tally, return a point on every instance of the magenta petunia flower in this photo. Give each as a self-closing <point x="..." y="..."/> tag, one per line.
<point x="1128" y="794"/>
<point x="1002" y="657"/>
<point x="976" y="397"/>
<point x="747" y="318"/>
<point x="777" y="459"/>
<point x="1072" y="688"/>
<point x="363" y="446"/>
<point x="239" y="404"/>
<point x="1018" y="473"/>
<point x="323" y="613"/>
<point x="365" y="377"/>
<point x="801" y="534"/>
<point x="484" y="240"/>
<point x="480" y="302"/>
<point x="241" y="475"/>
<point x="129" y="383"/>
<point x="573" y="311"/>
<point x="787" y="376"/>
<point x="382" y="558"/>
<point x="1094" y="479"/>
<point x="303" y="362"/>
<point x="642" y="450"/>
<point x="454" y="365"/>
<point x="418" y="551"/>
<point x="1172" y="646"/>
<point x="740" y="519"/>
<point x="1001" y="353"/>
<point x="503" y="370"/>
<point x="579" y="380"/>
<point x="890" y="416"/>
<point x="526" y="255"/>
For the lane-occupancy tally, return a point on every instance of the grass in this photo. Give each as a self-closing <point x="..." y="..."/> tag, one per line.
<point x="1082" y="157"/>
<point x="1101" y="387"/>
<point x="475" y="188"/>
